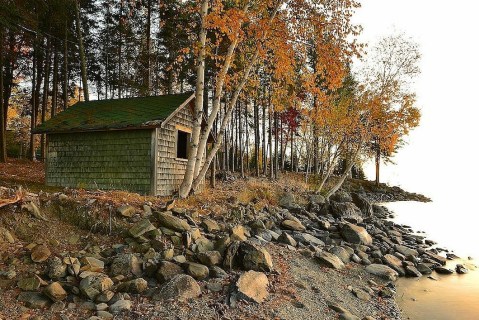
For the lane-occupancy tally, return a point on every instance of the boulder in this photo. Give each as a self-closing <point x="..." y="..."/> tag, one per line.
<point x="411" y="271"/>
<point x="253" y="286"/>
<point x="346" y="210"/>
<point x="127" y="265"/>
<point x="395" y="263"/>
<point x="55" y="292"/>
<point x="406" y="251"/>
<point x="92" y="264"/>
<point x="439" y="259"/>
<point x="329" y="260"/>
<point x="204" y="245"/>
<point x="94" y="284"/>
<point x="363" y="204"/>
<point x="167" y="271"/>
<point x="341" y="253"/>
<point x="442" y="270"/>
<point x="255" y="257"/>
<point x="287" y="201"/>
<point x="341" y="197"/>
<point x="460" y="269"/>
<point x="217" y="272"/>
<point x="141" y="227"/>
<point x="133" y="286"/>
<point x="167" y="220"/>
<point x="308" y="239"/>
<point x="356" y="234"/>
<point x="382" y="271"/>
<point x="424" y="269"/>
<point x="40" y="253"/>
<point x="293" y="225"/>
<point x="181" y="288"/>
<point x="238" y="233"/>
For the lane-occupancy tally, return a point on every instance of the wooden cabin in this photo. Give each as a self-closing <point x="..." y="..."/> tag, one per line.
<point x="135" y="144"/>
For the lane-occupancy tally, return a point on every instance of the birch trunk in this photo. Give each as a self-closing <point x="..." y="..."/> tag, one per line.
<point x="185" y="187"/>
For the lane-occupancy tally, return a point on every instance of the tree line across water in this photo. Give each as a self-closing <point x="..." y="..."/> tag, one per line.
<point x="279" y="84"/>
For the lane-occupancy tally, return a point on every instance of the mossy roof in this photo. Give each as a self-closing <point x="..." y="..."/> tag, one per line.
<point x="128" y="113"/>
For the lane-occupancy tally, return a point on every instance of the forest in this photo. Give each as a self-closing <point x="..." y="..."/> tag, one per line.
<point x="279" y="84"/>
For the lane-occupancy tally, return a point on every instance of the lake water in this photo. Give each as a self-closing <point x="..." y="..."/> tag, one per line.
<point x="455" y="228"/>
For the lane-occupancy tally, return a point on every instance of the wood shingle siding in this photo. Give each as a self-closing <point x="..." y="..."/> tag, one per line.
<point x="101" y="160"/>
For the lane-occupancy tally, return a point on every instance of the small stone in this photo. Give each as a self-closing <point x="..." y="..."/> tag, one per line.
<point x="293" y="225"/>
<point x="412" y="272"/>
<point x="93" y="285"/>
<point x="210" y="258"/>
<point x="460" y="269"/>
<point x="181" y="288"/>
<point x="55" y="292"/>
<point x="92" y="264"/>
<point x="203" y="245"/>
<point x="238" y="233"/>
<point x="405" y="251"/>
<point x="104" y="314"/>
<point x="6" y="236"/>
<point x="126" y="211"/>
<point x="126" y="264"/>
<point x="329" y="260"/>
<point x="253" y="286"/>
<point x="120" y="305"/>
<point x="217" y="272"/>
<point x="197" y="271"/>
<point x="56" y="268"/>
<point x="134" y="286"/>
<point x="382" y="271"/>
<point x="101" y="307"/>
<point x="29" y="284"/>
<point x="442" y="270"/>
<point x="287" y="239"/>
<point x="211" y="225"/>
<point x="57" y="306"/>
<point x="105" y="296"/>
<point x="40" y="253"/>
<point x="141" y="227"/>
<point x="361" y="294"/>
<point x="167" y="270"/>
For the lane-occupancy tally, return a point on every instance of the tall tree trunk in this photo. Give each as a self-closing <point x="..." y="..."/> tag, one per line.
<point x="33" y="115"/>
<point x="148" y="50"/>
<point x="65" y="68"/>
<point x="378" y="163"/>
<point x="120" y="42"/>
<point x="270" y="133"/>
<point x="55" y="82"/>
<point x="186" y="185"/>
<point x="3" y="119"/>
<point x="247" y="134"/>
<point x="46" y="85"/>
<point x="265" y="162"/>
<point x="82" y="52"/>
<point x="241" y="141"/>
<point x="276" y="147"/>
<point x="256" y="136"/>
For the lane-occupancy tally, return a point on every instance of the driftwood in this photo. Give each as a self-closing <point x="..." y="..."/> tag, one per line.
<point x="18" y="197"/>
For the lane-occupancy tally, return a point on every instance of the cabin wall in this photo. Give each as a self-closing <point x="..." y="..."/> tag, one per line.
<point x="112" y="160"/>
<point x="170" y="170"/>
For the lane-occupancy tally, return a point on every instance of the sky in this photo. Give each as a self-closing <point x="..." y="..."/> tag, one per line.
<point x="441" y="154"/>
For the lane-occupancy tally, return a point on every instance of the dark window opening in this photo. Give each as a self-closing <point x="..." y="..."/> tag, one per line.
<point x="182" y="145"/>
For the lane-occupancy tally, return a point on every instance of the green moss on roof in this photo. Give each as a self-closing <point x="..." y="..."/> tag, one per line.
<point x="114" y="114"/>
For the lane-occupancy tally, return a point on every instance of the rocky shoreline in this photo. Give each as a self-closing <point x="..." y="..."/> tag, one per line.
<point x="170" y="258"/>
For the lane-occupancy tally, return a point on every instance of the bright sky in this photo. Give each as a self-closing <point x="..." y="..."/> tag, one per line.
<point x="442" y="152"/>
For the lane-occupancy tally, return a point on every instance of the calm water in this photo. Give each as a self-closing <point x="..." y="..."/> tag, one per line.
<point x="454" y="227"/>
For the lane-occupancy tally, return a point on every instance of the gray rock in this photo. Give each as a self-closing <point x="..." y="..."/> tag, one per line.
<point x="287" y="239"/>
<point x="405" y="251"/>
<point x="120" y="305"/>
<point x="341" y="253"/>
<point x="141" y="227"/>
<point x="104" y="314"/>
<point x="34" y="300"/>
<point x="355" y="234"/>
<point x="217" y="272"/>
<point x="167" y="271"/>
<point x="442" y="270"/>
<point x="253" y="286"/>
<point x="166" y="219"/>
<point x="363" y="204"/>
<point x="204" y="245"/>
<point x="412" y="272"/>
<point x="211" y="225"/>
<point x="329" y="260"/>
<point x="439" y="259"/>
<point x="308" y="239"/>
<point x="361" y="294"/>
<point x="182" y="288"/>
<point x="421" y="267"/>
<point x="255" y="257"/>
<point x="347" y="211"/>
<point x="382" y="271"/>
<point x="127" y="265"/>
<point x="29" y="284"/>
<point x="341" y="197"/>
<point x="460" y="269"/>
<point x="287" y="201"/>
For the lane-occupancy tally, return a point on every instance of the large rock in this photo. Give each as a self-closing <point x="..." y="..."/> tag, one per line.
<point x="181" y="288"/>
<point x="363" y="204"/>
<point x="287" y="239"/>
<point x="293" y="225"/>
<point x="141" y="227"/>
<point x="441" y="260"/>
<point x="133" y="286"/>
<point x="341" y="197"/>
<point x="29" y="284"/>
<point x="238" y="233"/>
<point x="92" y="264"/>
<point x="287" y="201"/>
<point x="210" y="258"/>
<point x="253" y="286"/>
<point x="167" y="271"/>
<point x="211" y="225"/>
<point x="255" y="257"/>
<point x="93" y="285"/>
<point x="329" y="260"/>
<point x="341" y="253"/>
<point x="40" y="253"/>
<point x="382" y="271"/>
<point x="356" y="234"/>
<point x="127" y="265"/>
<point x="405" y="251"/>
<point x="126" y="211"/>
<point x="395" y="263"/>
<point x="56" y="268"/>
<point x="167" y="220"/>
<point x="55" y="292"/>
<point x="346" y="210"/>
<point x="197" y="271"/>
<point x="120" y="305"/>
